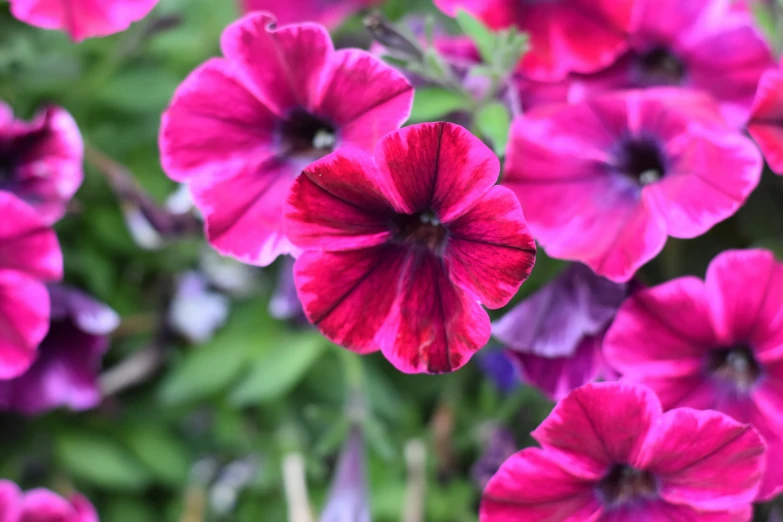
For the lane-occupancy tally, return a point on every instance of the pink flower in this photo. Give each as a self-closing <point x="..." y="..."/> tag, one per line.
<point x="554" y="336"/>
<point x="565" y="35"/>
<point x="41" y="505"/>
<point x="241" y="128"/>
<point x="65" y="372"/>
<point x="330" y="13"/>
<point x="766" y="119"/>
<point x="713" y="344"/>
<point x="29" y="255"/>
<point x="608" y="454"/>
<point x="606" y="181"/>
<point x="675" y="45"/>
<point x="400" y="247"/>
<point x="82" y="19"/>
<point x="41" y="161"/>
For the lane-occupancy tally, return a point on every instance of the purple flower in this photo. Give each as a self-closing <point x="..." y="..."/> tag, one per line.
<point x="554" y="337"/>
<point x="348" y="495"/>
<point x="68" y="360"/>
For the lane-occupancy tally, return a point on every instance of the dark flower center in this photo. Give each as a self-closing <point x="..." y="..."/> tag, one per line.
<point x="422" y="229"/>
<point x="736" y="365"/>
<point x="659" y="66"/>
<point x="642" y="160"/>
<point x="303" y="134"/>
<point x="624" y="484"/>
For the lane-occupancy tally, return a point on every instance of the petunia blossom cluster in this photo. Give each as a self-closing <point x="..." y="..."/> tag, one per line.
<point x="646" y="123"/>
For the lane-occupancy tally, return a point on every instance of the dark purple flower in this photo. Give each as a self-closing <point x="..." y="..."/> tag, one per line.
<point x="69" y="358"/>
<point x="497" y="366"/>
<point x="554" y="336"/>
<point x="348" y="496"/>
<point x="499" y="445"/>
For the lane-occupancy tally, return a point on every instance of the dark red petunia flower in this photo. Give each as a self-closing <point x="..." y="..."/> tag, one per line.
<point x="713" y="344"/>
<point x="401" y="247"/>
<point x="766" y="119"/>
<point x="41" y="161"/>
<point x="609" y="454"/>
<point x="565" y="35"/>
<point x="331" y="13"/>
<point x="241" y="128"/>
<point x="29" y="256"/>
<point x="82" y="18"/>
<point x="605" y="181"/>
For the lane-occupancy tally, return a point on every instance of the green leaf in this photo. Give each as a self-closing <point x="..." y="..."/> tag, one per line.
<point x="124" y="509"/>
<point x="494" y="122"/>
<point x="213" y="367"/>
<point x="433" y="103"/>
<point x="161" y="452"/>
<point x="481" y="35"/>
<point x="138" y="90"/>
<point x="100" y="461"/>
<point x="280" y="370"/>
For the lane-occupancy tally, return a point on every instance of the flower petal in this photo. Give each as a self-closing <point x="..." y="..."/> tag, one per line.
<point x="51" y="170"/>
<point x="710" y="180"/>
<point x="530" y="486"/>
<point x="244" y="213"/>
<point x="433" y="326"/>
<point x="348" y="295"/>
<point x="26" y="244"/>
<point x="553" y="321"/>
<point x="339" y="203"/>
<point x="214" y="125"/>
<point x="83" y="18"/>
<point x="282" y="66"/>
<point x="364" y="97"/>
<point x="24" y="321"/>
<point x="745" y="290"/>
<point x="437" y="166"/>
<point x="41" y="505"/>
<point x="10" y="501"/>
<point x="555" y="377"/>
<point x="598" y="425"/>
<point x="490" y="251"/>
<point x="705" y="459"/>
<point x="766" y="120"/>
<point x="662" y="331"/>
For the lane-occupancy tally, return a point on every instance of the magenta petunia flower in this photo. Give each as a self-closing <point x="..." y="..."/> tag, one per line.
<point x="241" y="128"/>
<point x="766" y="119"/>
<point x="565" y="35"/>
<point x="65" y="372"/>
<point x="605" y="181"/>
<point x="400" y="248"/>
<point x="713" y="344"/>
<point x="41" y="161"/>
<point x="608" y="454"/>
<point x="554" y="336"/>
<point x="330" y="13"/>
<point x="29" y="255"/>
<point x="41" y="505"/>
<point x="689" y="46"/>
<point x="82" y="19"/>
